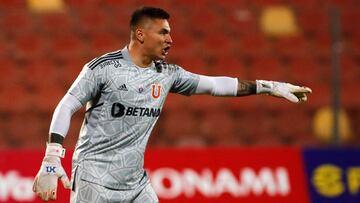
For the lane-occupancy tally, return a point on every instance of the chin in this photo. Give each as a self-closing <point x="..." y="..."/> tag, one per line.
<point x="161" y="57"/>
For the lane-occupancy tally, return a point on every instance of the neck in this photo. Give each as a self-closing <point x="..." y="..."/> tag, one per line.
<point x="137" y="55"/>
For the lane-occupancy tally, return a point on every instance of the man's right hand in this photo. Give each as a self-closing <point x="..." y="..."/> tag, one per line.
<point x="45" y="183"/>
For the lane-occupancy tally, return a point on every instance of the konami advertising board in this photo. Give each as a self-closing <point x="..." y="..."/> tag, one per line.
<point x="228" y="175"/>
<point x="249" y="175"/>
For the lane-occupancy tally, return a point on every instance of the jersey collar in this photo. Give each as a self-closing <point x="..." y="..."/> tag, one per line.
<point x="126" y="55"/>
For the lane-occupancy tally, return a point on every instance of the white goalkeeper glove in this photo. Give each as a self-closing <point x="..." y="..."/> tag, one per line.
<point x="46" y="181"/>
<point x="288" y="91"/>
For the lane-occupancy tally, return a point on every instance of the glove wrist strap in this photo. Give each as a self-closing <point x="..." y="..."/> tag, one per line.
<point x="54" y="149"/>
<point x="263" y="86"/>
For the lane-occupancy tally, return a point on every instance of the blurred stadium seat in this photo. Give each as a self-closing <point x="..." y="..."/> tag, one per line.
<point x="22" y="126"/>
<point x="18" y="21"/>
<point x="66" y="45"/>
<point x="254" y="44"/>
<point x="39" y="73"/>
<point x="12" y="4"/>
<point x="305" y="70"/>
<point x="56" y="23"/>
<point x="102" y="42"/>
<point x="70" y="69"/>
<point x="172" y="120"/>
<point x="29" y="45"/>
<point x="267" y="68"/>
<point x="313" y="20"/>
<point x="291" y="46"/>
<point x="94" y="19"/>
<point x="11" y="73"/>
<point x="218" y="127"/>
<point x="15" y="98"/>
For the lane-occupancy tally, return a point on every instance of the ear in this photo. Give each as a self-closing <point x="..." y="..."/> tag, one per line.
<point x="139" y="33"/>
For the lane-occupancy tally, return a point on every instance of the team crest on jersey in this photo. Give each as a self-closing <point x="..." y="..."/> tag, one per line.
<point x="155" y="91"/>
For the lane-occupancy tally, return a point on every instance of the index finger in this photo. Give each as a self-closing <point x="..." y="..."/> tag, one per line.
<point x="302" y="89"/>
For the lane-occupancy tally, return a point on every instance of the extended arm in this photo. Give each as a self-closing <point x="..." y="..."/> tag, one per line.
<point x="227" y="86"/>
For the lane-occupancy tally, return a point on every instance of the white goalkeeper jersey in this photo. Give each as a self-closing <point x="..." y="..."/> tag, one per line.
<point x="123" y="103"/>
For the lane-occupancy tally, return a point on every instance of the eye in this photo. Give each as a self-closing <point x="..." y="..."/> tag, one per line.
<point x="164" y="31"/>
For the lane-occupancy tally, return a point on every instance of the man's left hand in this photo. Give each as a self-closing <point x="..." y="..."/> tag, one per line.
<point x="288" y="91"/>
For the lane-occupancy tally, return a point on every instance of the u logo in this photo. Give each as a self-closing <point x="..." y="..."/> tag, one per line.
<point x="155" y="91"/>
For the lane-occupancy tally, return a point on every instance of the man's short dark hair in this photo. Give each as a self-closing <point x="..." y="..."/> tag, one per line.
<point x="147" y="12"/>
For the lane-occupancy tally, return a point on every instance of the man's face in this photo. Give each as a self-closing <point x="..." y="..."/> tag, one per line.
<point x="156" y="38"/>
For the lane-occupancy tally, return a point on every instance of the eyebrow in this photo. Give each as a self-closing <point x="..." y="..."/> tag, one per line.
<point x="165" y="31"/>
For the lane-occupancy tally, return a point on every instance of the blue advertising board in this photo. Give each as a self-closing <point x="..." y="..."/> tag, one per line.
<point x="333" y="175"/>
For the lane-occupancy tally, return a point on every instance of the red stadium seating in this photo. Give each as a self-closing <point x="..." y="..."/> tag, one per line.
<point x="55" y="23"/>
<point x="343" y="4"/>
<point x="350" y="71"/>
<point x="254" y="44"/>
<point x="18" y="22"/>
<point x="24" y="128"/>
<point x="179" y="124"/>
<point x="10" y="72"/>
<point x="305" y="71"/>
<point x="229" y="66"/>
<point x="66" y="45"/>
<point x="119" y="23"/>
<point x="183" y="43"/>
<point x="93" y="20"/>
<point x="203" y="103"/>
<point x="39" y="73"/>
<point x="42" y="54"/>
<point x="176" y="102"/>
<point x="291" y="46"/>
<point x="350" y="18"/>
<point x="348" y="97"/>
<point x="47" y="97"/>
<point x="192" y="63"/>
<point x="29" y="46"/>
<point x="293" y="122"/>
<point x="203" y="19"/>
<point x="321" y="95"/>
<point x="314" y="20"/>
<point x="267" y="68"/>
<point x="355" y="42"/>
<point x="322" y="44"/>
<point x="306" y="4"/>
<point x="195" y="4"/>
<point x="102" y="42"/>
<point x="86" y="4"/>
<point x="216" y="126"/>
<point x="4" y="46"/>
<point x="70" y="69"/>
<point x="241" y="20"/>
<point x="12" y="4"/>
<point x="16" y="98"/>
<point x="117" y="4"/>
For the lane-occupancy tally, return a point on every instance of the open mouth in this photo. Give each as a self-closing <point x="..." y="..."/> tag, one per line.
<point x="166" y="50"/>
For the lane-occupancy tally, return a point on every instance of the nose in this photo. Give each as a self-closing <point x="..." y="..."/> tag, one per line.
<point x="169" y="39"/>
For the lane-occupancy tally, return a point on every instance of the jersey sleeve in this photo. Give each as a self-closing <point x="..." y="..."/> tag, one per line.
<point x="185" y="82"/>
<point x="88" y="84"/>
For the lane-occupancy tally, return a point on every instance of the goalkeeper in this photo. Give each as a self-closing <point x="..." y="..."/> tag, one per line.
<point x="124" y="92"/>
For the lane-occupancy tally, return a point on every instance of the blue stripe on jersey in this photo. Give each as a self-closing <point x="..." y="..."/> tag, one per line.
<point x="103" y="59"/>
<point x="105" y="56"/>
<point x="114" y="53"/>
